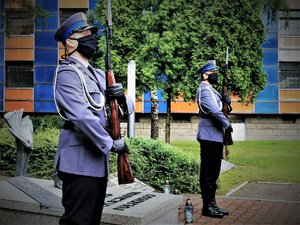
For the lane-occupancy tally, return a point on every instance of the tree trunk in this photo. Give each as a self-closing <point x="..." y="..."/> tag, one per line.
<point x="168" y="121"/>
<point x="154" y="115"/>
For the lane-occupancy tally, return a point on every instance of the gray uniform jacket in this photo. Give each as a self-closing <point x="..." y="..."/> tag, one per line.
<point x="84" y="149"/>
<point x="212" y="119"/>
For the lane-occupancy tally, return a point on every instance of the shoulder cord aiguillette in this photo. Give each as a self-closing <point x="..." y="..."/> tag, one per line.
<point x="92" y="104"/>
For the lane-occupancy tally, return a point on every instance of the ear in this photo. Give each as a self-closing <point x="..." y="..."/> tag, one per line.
<point x="205" y="76"/>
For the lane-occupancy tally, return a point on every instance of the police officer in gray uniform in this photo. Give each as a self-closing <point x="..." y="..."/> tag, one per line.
<point x="210" y="135"/>
<point x="82" y="158"/>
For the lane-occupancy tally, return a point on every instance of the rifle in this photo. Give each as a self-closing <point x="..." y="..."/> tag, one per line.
<point x="125" y="175"/>
<point x="226" y="106"/>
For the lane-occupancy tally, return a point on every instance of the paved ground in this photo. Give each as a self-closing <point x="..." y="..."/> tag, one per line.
<point x="250" y="204"/>
<point x="253" y="203"/>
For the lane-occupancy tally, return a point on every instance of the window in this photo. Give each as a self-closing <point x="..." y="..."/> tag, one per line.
<point x="19" y="74"/>
<point x="289" y="74"/>
<point x="66" y="13"/>
<point x="289" y="51"/>
<point x="19" y="22"/>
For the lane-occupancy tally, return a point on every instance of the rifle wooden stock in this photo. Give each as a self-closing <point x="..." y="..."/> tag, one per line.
<point x="227" y="134"/>
<point x="125" y="175"/>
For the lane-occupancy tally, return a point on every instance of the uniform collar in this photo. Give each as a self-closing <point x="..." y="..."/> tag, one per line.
<point x="81" y="61"/>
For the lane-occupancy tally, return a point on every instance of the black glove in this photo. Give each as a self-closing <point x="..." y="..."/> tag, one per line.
<point x="226" y="99"/>
<point x="230" y="128"/>
<point x="119" y="146"/>
<point x="116" y="91"/>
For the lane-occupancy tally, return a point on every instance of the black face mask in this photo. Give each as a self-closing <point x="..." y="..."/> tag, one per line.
<point x="213" y="78"/>
<point x="86" y="46"/>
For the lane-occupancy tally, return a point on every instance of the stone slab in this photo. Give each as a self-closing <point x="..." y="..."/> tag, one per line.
<point x="29" y="201"/>
<point x="139" y="207"/>
<point x="225" y="165"/>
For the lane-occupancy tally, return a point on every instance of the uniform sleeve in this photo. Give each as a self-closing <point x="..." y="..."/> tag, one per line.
<point x="71" y="99"/>
<point x="210" y="104"/>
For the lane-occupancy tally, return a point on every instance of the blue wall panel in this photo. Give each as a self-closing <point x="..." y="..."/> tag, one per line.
<point x="46" y="57"/>
<point x="45" y="40"/>
<point x="270" y="57"/>
<point x="270" y="93"/>
<point x="44" y="74"/>
<point x="1" y="74"/>
<point x="162" y="104"/>
<point x="43" y="92"/>
<point x="49" y="5"/>
<point x="50" y="22"/>
<point x="1" y="49"/>
<point x="266" y="107"/>
<point x="46" y="106"/>
<point x="162" y="107"/>
<point x="271" y="40"/>
<point x="270" y="27"/>
<point x="92" y="4"/>
<point x="272" y="74"/>
<point x="1" y="54"/>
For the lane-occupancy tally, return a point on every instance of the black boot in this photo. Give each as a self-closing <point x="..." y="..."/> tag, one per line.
<point x="211" y="211"/>
<point x="224" y="211"/>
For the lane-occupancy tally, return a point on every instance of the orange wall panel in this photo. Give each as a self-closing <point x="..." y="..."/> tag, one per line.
<point x="73" y="4"/>
<point x="238" y="107"/>
<point x="16" y="105"/>
<point x="19" y="54"/>
<point x="184" y="107"/>
<point x="19" y="94"/>
<point x="289" y="107"/>
<point x="19" y="42"/>
<point x="61" y="53"/>
<point x="289" y="94"/>
<point x="139" y="107"/>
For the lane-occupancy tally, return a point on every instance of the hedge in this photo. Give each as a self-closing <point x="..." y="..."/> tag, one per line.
<point x="152" y="161"/>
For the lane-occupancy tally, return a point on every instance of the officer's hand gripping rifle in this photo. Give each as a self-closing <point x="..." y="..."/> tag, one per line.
<point x="226" y="105"/>
<point x="125" y="175"/>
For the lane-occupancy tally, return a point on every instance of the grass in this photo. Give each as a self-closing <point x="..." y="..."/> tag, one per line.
<point x="264" y="161"/>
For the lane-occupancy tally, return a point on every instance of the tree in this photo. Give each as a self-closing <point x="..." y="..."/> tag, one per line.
<point x="171" y="40"/>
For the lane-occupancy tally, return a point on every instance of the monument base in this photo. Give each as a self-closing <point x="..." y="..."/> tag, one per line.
<point x="27" y="201"/>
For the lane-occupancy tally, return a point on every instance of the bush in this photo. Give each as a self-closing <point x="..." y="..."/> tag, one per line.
<point x="152" y="161"/>
<point x="46" y="121"/>
<point x="8" y="152"/>
<point x="41" y="162"/>
<point x="41" y="159"/>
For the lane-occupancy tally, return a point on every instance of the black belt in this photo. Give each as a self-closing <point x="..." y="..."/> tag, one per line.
<point x="68" y="126"/>
<point x="205" y="116"/>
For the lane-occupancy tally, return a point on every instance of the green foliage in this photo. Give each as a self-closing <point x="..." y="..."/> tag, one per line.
<point x="154" y="162"/>
<point x="8" y="153"/>
<point x="41" y="159"/>
<point x="46" y="121"/>
<point x="41" y="162"/>
<point x="173" y="39"/>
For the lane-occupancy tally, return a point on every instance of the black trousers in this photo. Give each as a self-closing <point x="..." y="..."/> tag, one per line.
<point x="211" y="159"/>
<point x="83" y="199"/>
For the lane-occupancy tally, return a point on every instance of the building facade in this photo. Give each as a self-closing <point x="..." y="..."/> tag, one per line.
<point x="29" y="56"/>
